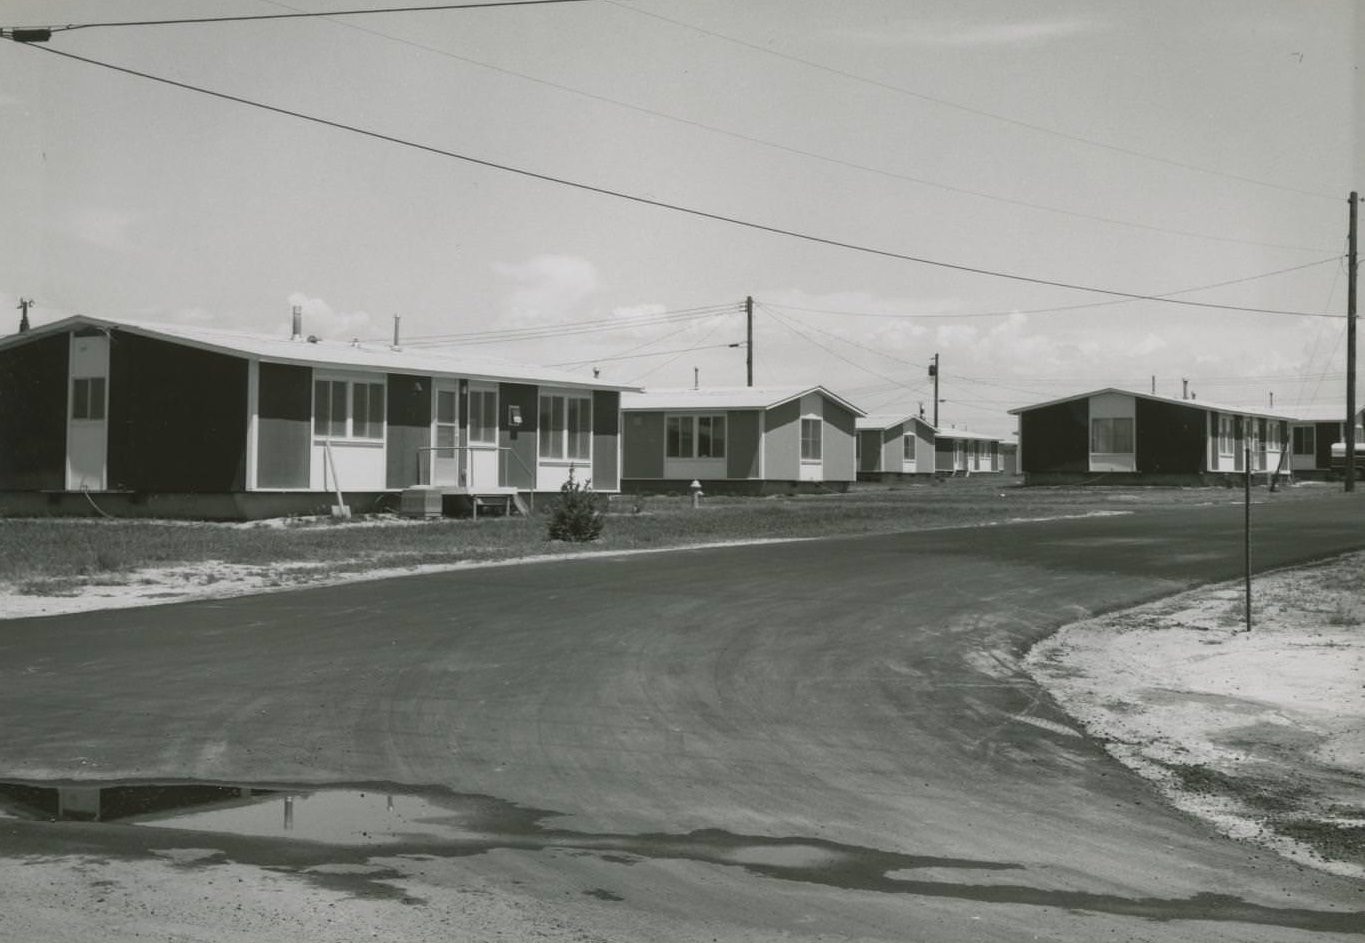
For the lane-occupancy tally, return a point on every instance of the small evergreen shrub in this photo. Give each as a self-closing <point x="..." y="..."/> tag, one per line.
<point x="575" y="514"/>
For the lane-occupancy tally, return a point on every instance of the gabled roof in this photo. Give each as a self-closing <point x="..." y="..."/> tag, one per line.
<point x="964" y="434"/>
<point x="324" y="353"/>
<point x="1322" y="412"/>
<point x="1196" y="403"/>
<point x="727" y="397"/>
<point x="887" y="420"/>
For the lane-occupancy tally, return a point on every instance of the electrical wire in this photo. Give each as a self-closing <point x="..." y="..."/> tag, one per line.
<point x="630" y="350"/>
<point x="852" y="165"/>
<point x="659" y="353"/>
<point x="181" y="21"/>
<point x="540" y="332"/>
<point x="657" y="367"/>
<point x="979" y="112"/>
<point x="784" y="322"/>
<point x="1075" y="307"/>
<point x="659" y="204"/>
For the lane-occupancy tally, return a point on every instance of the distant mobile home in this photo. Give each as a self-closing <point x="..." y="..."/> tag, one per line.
<point x="1314" y="430"/>
<point x="756" y="440"/>
<point x="893" y="446"/>
<point x="1114" y="436"/>
<point x="959" y="452"/>
<point x="177" y="420"/>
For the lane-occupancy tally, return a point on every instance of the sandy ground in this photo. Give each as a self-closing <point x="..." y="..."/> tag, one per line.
<point x="1261" y="733"/>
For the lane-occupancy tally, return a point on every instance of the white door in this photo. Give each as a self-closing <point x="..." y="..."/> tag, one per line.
<point x="483" y="436"/>
<point x="445" y="457"/>
<point x="87" y="431"/>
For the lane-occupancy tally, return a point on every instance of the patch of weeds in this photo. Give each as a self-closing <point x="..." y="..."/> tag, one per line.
<point x="1345" y="612"/>
<point x="1339" y="842"/>
<point x="107" y="560"/>
<point x="1252" y="791"/>
<point x="56" y="586"/>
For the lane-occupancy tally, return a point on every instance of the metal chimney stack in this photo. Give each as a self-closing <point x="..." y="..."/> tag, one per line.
<point x="296" y="330"/>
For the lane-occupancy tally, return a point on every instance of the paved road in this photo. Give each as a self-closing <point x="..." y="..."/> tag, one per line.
<point x="827" y="737"/>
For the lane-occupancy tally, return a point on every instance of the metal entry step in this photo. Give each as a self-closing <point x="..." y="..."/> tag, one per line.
<point x="430" y="500"/>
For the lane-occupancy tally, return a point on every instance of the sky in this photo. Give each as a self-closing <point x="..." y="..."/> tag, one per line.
<point x="600" y="184"/>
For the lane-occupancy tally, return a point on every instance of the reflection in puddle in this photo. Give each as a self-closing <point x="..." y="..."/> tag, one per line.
<point x="332" y="816"/>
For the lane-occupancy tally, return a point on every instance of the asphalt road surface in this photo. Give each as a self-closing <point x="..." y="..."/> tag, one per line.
<point x="826" y="739"/>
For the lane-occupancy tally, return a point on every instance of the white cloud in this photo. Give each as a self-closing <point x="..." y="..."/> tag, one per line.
<point x="321" y="319"/>
<point x="103" y="227"/>
<point x="964" y="35"/>
<point x="549" y="288"/>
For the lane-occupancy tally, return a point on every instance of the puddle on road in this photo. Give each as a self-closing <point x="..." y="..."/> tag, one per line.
<point x="330" y="833"/>
<point x="330" y="816"/>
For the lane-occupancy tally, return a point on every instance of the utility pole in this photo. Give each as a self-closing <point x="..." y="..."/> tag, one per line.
<point x="1351" y="348"/>
<point x="933" y="372"/>
<point x="749" y="339"/>
<point x="23" y="305"/>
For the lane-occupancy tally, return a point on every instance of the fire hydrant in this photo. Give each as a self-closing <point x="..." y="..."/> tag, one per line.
<point x="695" y="488"/>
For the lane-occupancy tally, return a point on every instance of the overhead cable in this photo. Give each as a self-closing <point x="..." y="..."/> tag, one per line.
<point x="968" y="109"/>
<point x="788" y="149"/>
<point x="182" y="21"/>
<point x="660" y="204"/>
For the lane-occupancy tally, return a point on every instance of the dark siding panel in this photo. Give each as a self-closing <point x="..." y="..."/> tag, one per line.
<point x="1171" y="439"/>
<point x="606" y="438"/>
<point x="1240" y="443"/>
<point x="409" y="428"/>
<point x="284" y="427"/>
<point x="33" y="414"/>
<point x="1056" y="438"/>
<point x="177" y="417"/>
<point x="522" y="440"/>
<point x="869" y="450"/>
<point x="743" y="438"/>
<point x="642" y="437"/>
<point x="1326" y="436"/>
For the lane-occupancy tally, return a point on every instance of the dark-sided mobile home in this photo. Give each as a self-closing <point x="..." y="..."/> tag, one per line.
<point x="1313" y="431"/>
<point x="1114" y="436"/>
<point x="187" y="421"/>
<point x="756" y="440"/>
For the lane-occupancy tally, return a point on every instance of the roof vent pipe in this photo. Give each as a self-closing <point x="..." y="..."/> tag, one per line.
<point x="396" y="319"/>
<point x="296" y="329"/>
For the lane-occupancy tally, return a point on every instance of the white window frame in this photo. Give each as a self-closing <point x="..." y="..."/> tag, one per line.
<point x="1307" y="435"/>
<point x="348" y="429"/>
<point x="563" y="440"/>
<point x="1227" y="434"/>
<point x="480" y="431"/>
<point x="908" y="447"/>
<point x="689" y="434"/>
<point x="96" y="399"/>
<point x="1098" y="422"/>
<point x="818" y="439"/>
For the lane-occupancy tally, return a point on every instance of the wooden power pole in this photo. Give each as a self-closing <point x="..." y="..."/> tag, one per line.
<point x="1351" y="348"/>
<point x="749" y="339"/>
<point x="933" y="372"/>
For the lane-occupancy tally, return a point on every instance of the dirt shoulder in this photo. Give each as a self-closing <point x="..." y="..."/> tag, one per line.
<point x="1260" y="733"/>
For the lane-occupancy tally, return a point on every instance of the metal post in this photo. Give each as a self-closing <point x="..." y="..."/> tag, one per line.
<point x="1246" y="537"/>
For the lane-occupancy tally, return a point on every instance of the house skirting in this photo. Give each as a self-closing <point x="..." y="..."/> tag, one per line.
<point x="749" y="486"/>
<point x="1153" y="479"/>
<point x="216" y="506"/>
<point x="890" y="478"/>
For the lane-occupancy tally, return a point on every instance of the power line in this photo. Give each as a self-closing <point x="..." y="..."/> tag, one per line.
<point x="979" y="112"/>
<point x="657" y="367"/>
<point x="691" y="123"/>
<point x="538" y="332"/>
<point x="657" y="353"/>
<point x="640" y="346"/>
<point x="659" y="204"/>
<point x="305" y="15"/>
<point x="833" y="353"/>
<point x="1075" y="307"/>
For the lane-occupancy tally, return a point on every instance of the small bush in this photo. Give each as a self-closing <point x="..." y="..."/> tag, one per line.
<point x="575" y="514"/>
